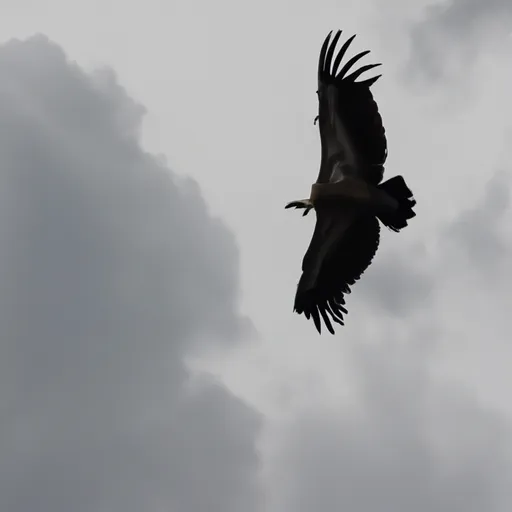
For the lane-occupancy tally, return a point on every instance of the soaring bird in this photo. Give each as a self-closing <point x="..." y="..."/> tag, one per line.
<point x="348" y="196"/>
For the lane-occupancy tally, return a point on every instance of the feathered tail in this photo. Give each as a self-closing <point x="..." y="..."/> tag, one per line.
<point x="397" y="188"/>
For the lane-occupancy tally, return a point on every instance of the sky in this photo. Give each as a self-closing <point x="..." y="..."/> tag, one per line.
<point x="149" y="356"/>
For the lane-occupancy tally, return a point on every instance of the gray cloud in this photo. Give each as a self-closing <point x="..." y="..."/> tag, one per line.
<point x="112" y="272"/>
<point x="409" y="444"/>
<point x="402" y="282"/>
<point x="447" y="41"/>
<point x="397" y="283"/>
<point x="476" y="233"/>
<point x="409" y="440"/>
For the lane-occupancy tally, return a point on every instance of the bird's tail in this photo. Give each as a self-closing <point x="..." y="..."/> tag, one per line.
<point x="397" y="189"/>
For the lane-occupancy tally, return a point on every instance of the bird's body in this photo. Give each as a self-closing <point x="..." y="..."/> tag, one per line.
<point x="348" y="196"/>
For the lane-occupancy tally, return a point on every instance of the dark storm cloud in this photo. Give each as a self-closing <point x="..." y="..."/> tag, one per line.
<point x="449" y="38"/>
<point x="111" y="272"/>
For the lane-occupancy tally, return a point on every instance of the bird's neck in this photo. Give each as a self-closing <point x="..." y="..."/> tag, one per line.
<point x="347" y="188"/>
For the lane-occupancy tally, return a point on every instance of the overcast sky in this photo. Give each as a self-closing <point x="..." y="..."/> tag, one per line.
<point x="149" y="356"/>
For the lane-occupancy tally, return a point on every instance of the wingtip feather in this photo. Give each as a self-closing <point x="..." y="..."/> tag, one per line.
<point x="358" y="72"/>
<point x="341" y="53"/>
<point x="316" y="319"/>
<point x="323" y="51"/>
<point x="330" y="53"/>
<point x="350" y="63"/>
<point x="370" y="81"/>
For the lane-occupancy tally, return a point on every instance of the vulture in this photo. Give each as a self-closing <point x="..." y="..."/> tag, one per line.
<point x="348" y="196"/>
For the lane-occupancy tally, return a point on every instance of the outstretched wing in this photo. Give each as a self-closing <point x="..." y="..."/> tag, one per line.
<point x="330" y="271"/>
<point x="351" y="131"/>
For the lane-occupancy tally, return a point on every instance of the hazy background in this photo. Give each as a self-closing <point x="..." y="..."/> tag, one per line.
<point x="149" y="356"/>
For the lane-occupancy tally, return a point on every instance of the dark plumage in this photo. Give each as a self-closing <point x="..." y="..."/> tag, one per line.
<point x="348" y="196"/>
